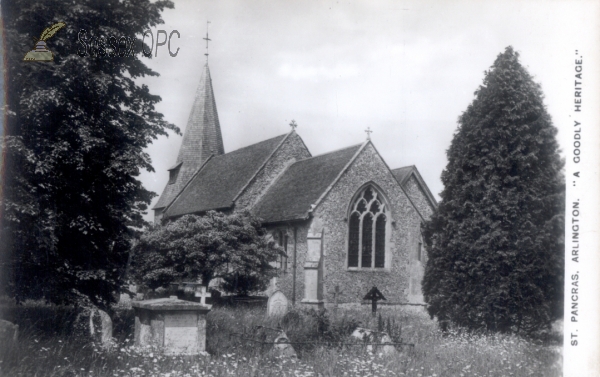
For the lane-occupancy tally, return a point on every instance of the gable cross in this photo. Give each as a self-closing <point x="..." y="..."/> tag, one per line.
<point x="203" y="295"/>
<point x="369" y="132"/>
<point x="293" y="124"/>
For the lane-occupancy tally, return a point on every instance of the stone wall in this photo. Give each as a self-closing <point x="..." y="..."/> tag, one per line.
<point x="284" y="281"/>
<point x="418" y="196"/>
<point x="393" y="281"/>
<point x="291" y="150"/>
<point x="417" y="267"/>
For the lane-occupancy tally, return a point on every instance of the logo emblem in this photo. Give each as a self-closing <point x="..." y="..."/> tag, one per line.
<point x="40" y="53"/>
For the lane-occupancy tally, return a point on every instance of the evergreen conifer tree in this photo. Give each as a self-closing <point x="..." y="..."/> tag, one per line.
<point x="496" y="244"/>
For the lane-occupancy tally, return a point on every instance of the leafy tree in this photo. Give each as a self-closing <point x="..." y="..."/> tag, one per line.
<point x="76" y="128"/>
<point x="496" y="249"/>
<point x="216" y="245"/>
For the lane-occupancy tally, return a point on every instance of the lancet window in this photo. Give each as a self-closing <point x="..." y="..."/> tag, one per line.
<point x="367" y="231"/>
<point x="282" y="260"/>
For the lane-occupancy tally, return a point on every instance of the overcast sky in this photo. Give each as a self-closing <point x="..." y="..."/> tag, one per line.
<point x="405" y="69"/>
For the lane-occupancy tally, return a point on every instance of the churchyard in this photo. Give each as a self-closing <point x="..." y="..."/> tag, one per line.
<point x="52" y="341"/>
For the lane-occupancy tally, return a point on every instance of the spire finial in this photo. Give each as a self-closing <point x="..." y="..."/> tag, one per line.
<point x="293" y="124"/>
<point x="207" y="39"/>
<point x="369" y="132"/>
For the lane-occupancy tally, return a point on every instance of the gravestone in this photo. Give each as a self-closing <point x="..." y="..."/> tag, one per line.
<point x="203" y="295"/>
<point x="336" y="295"/>
<point x="277" y="304"/>
<point x="382" y="339"/>
<point x="374" y="295"/>
<point x="176" y="326"/>
<point x="282" y="347"/>
<point x="103" y="332"/>
<point x="9" y="332"/>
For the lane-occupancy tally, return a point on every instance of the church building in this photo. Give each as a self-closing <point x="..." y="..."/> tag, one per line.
<point x="346" y="220"/>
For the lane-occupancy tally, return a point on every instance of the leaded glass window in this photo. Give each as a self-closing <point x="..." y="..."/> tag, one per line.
<point x="366" y="231"/>
<point x="281" y="239"/>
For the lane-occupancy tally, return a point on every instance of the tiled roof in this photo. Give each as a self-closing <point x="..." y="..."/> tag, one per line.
<point x="222" y="178"/>
<point x="202" y="137"/>
<point x="402" y="173"/>
<point x="301" y="185"/>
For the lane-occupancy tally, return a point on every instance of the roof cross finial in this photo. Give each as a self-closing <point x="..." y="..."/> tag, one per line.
<point x="207" y="39"/>
<point x="293" y="124"/>
<point x="369" y="132"/>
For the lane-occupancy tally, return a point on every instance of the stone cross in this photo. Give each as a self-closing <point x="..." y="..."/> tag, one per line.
<point x="203" y="295"/>
<point x="374" y="295"/>
<point x="369" y="132"/>
<point x="336" y="294"/>
<point x="293" y="124"/>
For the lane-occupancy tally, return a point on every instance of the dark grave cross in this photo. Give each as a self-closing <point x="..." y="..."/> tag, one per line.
<point x="336" y="295"/>
<point x="374" y="295"/>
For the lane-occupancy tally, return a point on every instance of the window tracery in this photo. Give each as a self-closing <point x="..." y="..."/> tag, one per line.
<point x="367" y="231"/>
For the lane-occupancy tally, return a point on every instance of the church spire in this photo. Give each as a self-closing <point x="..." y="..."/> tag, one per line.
<point x="202" y="135"/>
<point x="201" y="139"/>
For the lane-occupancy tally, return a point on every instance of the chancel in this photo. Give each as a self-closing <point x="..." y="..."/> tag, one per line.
<point x="344" y="218"/>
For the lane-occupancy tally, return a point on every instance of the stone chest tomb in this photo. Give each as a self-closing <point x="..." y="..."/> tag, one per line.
<point x="176" y="326"/>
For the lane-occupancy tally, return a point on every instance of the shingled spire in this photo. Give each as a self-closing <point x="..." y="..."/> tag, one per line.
<point x="202" y="135"/>
<point x="201" y="139"/>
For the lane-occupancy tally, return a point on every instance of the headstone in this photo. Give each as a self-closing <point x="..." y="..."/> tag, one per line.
<point x="176" y="326"/>
<point x="374" y="295"/>
<point x="336" y="295"/>
<point x="189" y="291"/>
<point x="277" y="304"/>
<point x="283" y="347"/>
<point x="380" y="338"/>
<point x="203" y="294"/>
<point x="9" y="332"/>
<point x="105" y="327"/>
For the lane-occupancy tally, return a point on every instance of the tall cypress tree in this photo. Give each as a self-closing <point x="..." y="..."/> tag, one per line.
<point x="496" y="244"/>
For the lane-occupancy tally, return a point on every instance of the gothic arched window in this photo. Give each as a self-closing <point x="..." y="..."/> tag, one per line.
<point x="282" y="240"/>
<point x="366" y="231"/>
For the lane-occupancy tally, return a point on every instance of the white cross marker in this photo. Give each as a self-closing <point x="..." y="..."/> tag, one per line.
<point x="203" y="295"/>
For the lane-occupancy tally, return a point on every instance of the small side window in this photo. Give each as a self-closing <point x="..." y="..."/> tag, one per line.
<point x="173" y="176"/>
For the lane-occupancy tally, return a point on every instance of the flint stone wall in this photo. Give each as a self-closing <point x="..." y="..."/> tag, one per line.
<point x="399" y="283"/>
<point x="285" y="279"/>
<point x="393" y="282"/>
<point x="419" y="198"/>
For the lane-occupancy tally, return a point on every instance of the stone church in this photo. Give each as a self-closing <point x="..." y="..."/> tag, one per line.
<point x="345" y="219"/>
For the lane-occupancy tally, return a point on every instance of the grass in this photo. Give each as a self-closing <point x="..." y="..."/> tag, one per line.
<point x="49" y="346"/>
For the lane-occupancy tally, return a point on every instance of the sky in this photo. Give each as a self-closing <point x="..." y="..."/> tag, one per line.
<point x="404" y="69"/>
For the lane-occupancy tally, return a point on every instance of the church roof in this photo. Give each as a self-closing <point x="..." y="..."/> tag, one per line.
<point x="403" y="173"/>
<point x="301" y="185"/>
<point x="220" y="180"/>
<point x="202" y="135"/>
<point x="201" y="139"/>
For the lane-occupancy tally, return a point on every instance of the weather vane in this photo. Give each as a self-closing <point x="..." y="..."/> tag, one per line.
<point x="369" y="132"/>
<point x="207" y="39"/>
<point x="293" y="124"/>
